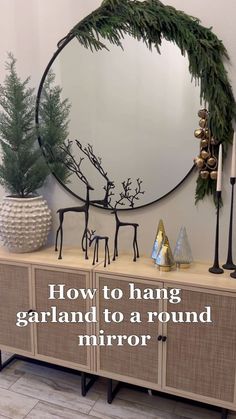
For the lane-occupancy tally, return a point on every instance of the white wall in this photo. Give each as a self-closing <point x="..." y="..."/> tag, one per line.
<point x="31" y="29"/>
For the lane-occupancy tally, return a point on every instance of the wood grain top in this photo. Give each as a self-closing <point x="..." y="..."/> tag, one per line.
<point x="72" y="258"/>
<point x="144" y="268"/>
<point x="196" y="275"/>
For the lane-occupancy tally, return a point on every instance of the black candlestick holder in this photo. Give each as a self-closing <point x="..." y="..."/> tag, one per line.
<point x="229" y="263"/>
<point x="215" y="269"/>
<point x="233" y="274"/>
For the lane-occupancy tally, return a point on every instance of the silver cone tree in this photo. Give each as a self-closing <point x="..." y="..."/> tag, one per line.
<point x="182" y="253"/>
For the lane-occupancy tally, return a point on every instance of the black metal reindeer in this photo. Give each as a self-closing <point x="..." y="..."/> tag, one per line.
<point x="125" y="224"/>
<point x="81" y="209"/>
<point x="74" y="167"/>
<point x="127" y="195"/>
<point x="97" y="239"/>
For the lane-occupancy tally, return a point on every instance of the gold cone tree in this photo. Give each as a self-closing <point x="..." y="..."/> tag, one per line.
<point x="164" y="259"/>
<point x="158" y="240"/>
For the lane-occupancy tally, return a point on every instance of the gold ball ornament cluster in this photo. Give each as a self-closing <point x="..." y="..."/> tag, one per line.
<point x="206" y="161"/>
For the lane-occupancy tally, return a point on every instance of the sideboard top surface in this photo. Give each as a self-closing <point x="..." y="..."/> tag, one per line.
<point x="72" y="258"/>
<point x="196" y="275"/>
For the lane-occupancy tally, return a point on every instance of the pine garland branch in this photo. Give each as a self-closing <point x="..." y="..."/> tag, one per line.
<point x="151" y="21"/>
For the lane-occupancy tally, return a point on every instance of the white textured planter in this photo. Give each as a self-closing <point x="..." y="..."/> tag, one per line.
<point x="24" y="223"/>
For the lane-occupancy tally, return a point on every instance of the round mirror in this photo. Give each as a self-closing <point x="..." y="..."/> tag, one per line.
<point x="132" y="118"/>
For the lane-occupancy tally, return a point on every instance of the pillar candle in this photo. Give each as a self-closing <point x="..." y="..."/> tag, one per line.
<point x="233" y="166"/>
<point x="219" y="173"/>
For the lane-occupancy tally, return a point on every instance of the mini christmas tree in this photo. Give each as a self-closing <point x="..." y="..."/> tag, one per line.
<point x="23" y="169"/>
<point x="160" y="235"/>
<point x="164" y="259"/>
<point x="53" y="127"/>
<point x="183" y="254"/>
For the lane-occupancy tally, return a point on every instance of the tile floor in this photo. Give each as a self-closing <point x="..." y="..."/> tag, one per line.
<point x="37" y="392"/>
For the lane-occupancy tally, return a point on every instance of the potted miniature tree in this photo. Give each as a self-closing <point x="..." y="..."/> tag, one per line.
<point x="53" y="127"/>
<point x="25" y="219"/>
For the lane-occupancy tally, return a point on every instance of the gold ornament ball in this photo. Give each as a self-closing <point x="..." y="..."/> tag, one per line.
<point x="203" y="123"/>
<point x="203" y="113"/>
<point x="199" y="162"/>
<point x="204" y="143"/>
<point x="211" y="161"/>
<point x="199" y="133"/>
<point x="206" y="133"/>
<point x="204" y="174"/>
<point x="214" y="141"/>
<point x="213" y="175"/>
<point x="204" y="154"/>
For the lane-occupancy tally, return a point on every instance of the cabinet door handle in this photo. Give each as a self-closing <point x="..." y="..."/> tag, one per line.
<point x="164" y="338"/>
<point x="160" y="338"/>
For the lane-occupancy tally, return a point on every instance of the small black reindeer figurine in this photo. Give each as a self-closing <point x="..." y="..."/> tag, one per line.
<point x="97" y="239"/>
<point x="130" y="197"/>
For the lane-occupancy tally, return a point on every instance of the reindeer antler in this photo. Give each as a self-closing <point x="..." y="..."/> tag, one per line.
<point x="120" y="201"/>
<point x="75" y="167"/>
<point x="97" y="163"/>
<point x="126" y="193"/>
<point x="135" y="195"/>
<point x="90" y="234"/>
<point x="72" y="164"/>
<point x="95" y="160"/>
<point x="109" y="193"/>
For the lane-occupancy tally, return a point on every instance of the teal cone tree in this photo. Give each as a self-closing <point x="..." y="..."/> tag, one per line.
<point x="23" y="169"/>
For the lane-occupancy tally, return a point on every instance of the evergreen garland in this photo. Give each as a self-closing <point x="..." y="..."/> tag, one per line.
<point x="23" y="169"/>
<point x="151" y="21"/>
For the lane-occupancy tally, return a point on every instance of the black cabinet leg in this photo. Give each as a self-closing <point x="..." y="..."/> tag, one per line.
<point x="224" y="413"/>
<point x="7" y="362"/>
<point x="111" y="393"/>
<point x="84" y="385"/>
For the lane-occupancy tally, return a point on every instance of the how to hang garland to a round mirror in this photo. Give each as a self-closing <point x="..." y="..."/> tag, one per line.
<point x="133" y="107"/>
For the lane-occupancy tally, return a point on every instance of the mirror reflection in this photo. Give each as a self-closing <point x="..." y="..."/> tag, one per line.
<point x="133" y="113"/>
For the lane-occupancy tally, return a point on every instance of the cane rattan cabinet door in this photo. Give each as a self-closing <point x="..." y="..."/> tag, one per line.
<point x="136" y="364"/>
<point x="14" y="298"/>
<point x="201" y="357"/>
<point x="59" y="341"/>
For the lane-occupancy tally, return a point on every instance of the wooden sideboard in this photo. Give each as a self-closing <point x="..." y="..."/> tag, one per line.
<point x="196" y="361"/>
<point x="24" y="280"/>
